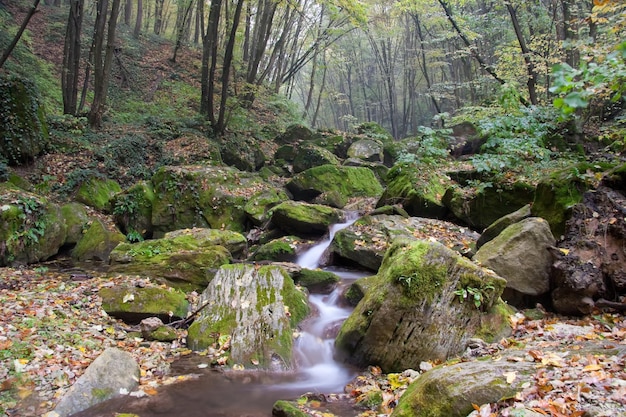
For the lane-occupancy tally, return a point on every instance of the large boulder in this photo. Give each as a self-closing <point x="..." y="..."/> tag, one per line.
<point x="520" y="255"/>
<point x="309" y="156"/>
<point x="132" y="210"/>
<point x="419" y="191"/>
<point x="202" y="196"/>
<point x="365" y="241"/>
<point x="329" y="183"/>
<point x="31" y="228"/>
<point x="418" y="308"/>
<point x="258" y="307"/>
<point x="97" y="193"/>
<point x="258" y="206"/>
<point x="293" y="134"/>
<point x="113" y="372"/>
<point x="97" y="242"/>
<point x="76" y="219"/>
<point x="367" y="149"/>
<point x="242" y="152"/>
<point x="23" y="126"/>
<point x="480" y="206"/>
<point x="186" y="258"/>
<point x="495" y="228"/>
<point x="133" y="304"/>
<point x="303" y="219"/>
<point x="451" y="391"/>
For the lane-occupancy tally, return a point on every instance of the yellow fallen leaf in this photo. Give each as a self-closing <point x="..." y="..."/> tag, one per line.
<point x="593" y="367"/>
<point x="510" y="376"/>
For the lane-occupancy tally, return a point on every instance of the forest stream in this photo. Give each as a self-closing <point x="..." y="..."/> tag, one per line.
<point x="216" y="393"/>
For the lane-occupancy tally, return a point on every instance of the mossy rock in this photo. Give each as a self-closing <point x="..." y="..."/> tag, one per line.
<point x="76" y="219"/>
<point x="284" y="408"/>
<point x="412" y="311"/>
<point x="258" y="206"/>
<point x="495" y="228"/>
<point x="380" y="170"/>
<point x="451" y="391"/>
<point x="283" y="249"/>
<point x="369" y="150"/>
<point x="202" y="196"/>
<point x="480" y="207"/>
<point x="132" y="209"/>
<point x="337" y="144"/>
<point x="97" y="193"/>
<point x="293" y="134"/>
<point x="357" y="290"/>
<point x="184" y="259"/>
<point x="163" y="334"/>
<point x="374" y="131"/>
<point x="349" y="182"/>
<point x="419" y="191"/>
<point x="309" y="156"/>
<point x="97" y="243"/>
<point x="23" y="126"/>
<point x="316" y="280"/>
<point x="242" y="152"/>
<point x="133" y="304"/>
<point x="303" y="219"/>
<point x="31" y="228"/>
<point x="259" y="307"/>
<point x="559" y="193"/>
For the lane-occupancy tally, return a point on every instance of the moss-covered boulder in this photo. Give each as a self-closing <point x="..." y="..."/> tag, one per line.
<point x="304" y="219"/>
<point x="316" y="280"/>
<point x="365" y="241"/>
<point x="417" y="189"/>
<point x="31" y="228"/>
<point x="309" y="156"/>
<point x="344" y="181"/>
<point x="557" y="194"/>
<point x="23" y="126"/>
<point x="133" y="304"/>
<point x="242" y="152"/>
<point x="186" y="258"/>
<point x="283" y="249"/>
<point x="357" y="290"/>
<point x="520" y="255"/>
<point x="258" y="206"/>
<point x="283" y="408"/>
<point x="132" y="210"/>
<point x="426" y="303"/>
<point x="97" y="242"/>
<point x="258" y="307"/>
<point x="379" y="169"/>
<point x="76" y="219"/>
<point x="479" y="207"/>
<point x="293" y="134"/>
<point x="367" y="149"/>
<point x="202" y="196"/>
<point x="495" y="228"/>
<point x="451" y="391"/>
<point x="337" y="144"/>
<point x="97" y="193"/>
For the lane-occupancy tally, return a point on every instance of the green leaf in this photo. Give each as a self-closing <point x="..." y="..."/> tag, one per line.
<point x="576" y="100"/>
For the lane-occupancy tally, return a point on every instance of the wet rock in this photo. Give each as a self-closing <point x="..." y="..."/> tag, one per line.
<point x="258" y="307"/>
<point x="304" y="219"/>
<point x="415" y="310"/>
<point x="520" y="255"/>
<point x="111" y="374"/>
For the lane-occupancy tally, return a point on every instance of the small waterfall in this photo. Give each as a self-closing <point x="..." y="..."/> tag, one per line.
<point x="311" y="259"/>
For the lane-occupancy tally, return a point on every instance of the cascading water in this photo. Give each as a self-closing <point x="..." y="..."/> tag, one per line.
<point x="253" y="394"/>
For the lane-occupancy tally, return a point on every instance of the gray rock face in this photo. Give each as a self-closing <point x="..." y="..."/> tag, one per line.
<point x="257" y="307"/>
<point x="367" y="150"/>
<point x="495" y="228"/>
<point x="112" y="371"/>
<point x="520" y="255"/>
<point x="415" y="310"/>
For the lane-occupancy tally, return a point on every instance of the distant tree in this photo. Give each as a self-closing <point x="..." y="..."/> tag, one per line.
<point x="19" y="33"/>
<point x="71" y="57"/>
<point x="139" y="19"/>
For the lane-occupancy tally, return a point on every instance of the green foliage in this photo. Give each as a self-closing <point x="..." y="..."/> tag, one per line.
<point x="134" y="236"/>
<point x="515" y="142"/>
<point x="4" y="172"/>
<point x="577" y="87"/>
<point x="33" y="225"/>
<point x="433" y="147"/>
<point x="475" y="295"/>
<point x="75" y="178"/>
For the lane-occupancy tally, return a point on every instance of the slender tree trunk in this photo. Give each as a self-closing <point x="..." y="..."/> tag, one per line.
<point x="139" y="20"/>
<point x="228" y="58"/>
<point x="321" y="92"/>
<point x="530" y="66"/>
<point x="424" y="63"/>
<point x="71" y="57"/>
<point x="182" y="27"/>
<point x="19" y="33"/>
<point x="102" y="68"/>
<point x="158" y="16"/>
<point x="128" y="11"/>
<point x="209" y="62"/>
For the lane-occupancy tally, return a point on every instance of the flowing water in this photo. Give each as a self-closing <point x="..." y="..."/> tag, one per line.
<point x="253" y="393"/>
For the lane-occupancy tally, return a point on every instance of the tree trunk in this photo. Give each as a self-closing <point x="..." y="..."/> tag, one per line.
<point x="424" y="63"/>
<point x="128" y="12"/>
<point x="321" y="92"/>
<point x="209" y="62"/>
<point x="19" y="33"/>
<point x="182" y="26"/>
<point x="102" y="64"/>
<point x="71" y="57"/>
<point x="228" y="58"/>
<point x="158" y="16"/>
<point x="530" y="66"/>
<point x="139" y="20"/>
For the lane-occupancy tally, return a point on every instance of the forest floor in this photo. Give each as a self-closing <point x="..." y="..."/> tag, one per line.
<point x="52" y="327"/>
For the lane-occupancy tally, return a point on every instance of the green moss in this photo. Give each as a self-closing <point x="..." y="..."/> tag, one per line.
<point x="284" y="408"/>
<point x="150" y="300"/>
<point x="276" y="250"/>
<point x="494" y="327"/>
<point x="101" y="394"/>
<point x="97" y="242"/>
<point x="98" y="193"/>
<point x="317" y="280"/>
